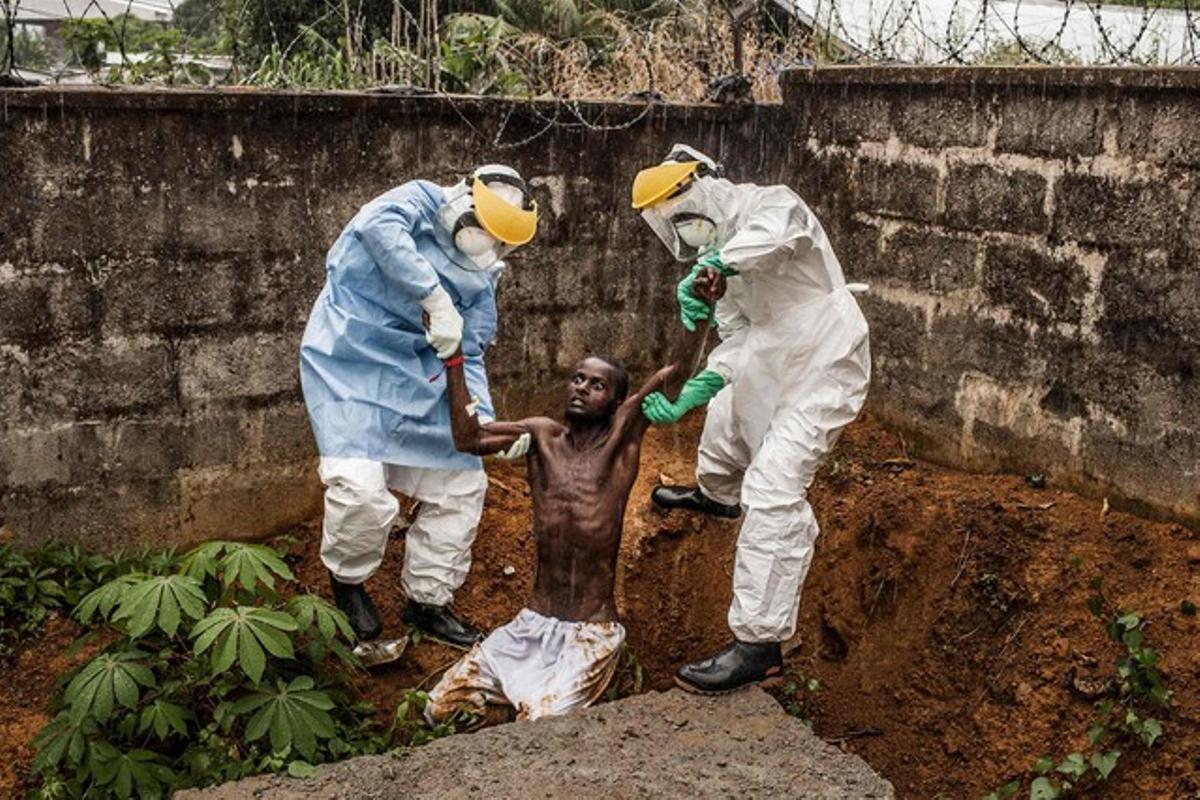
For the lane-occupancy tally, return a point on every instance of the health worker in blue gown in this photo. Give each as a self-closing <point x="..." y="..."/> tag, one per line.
<point x="411" y="279"/>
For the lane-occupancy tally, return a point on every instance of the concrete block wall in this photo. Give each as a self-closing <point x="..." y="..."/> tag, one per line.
<point x="1032" y="238"/>
<point x="160" y="251"/>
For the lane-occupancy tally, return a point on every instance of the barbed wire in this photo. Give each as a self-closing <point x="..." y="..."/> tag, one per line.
<point x="567" y="50"/>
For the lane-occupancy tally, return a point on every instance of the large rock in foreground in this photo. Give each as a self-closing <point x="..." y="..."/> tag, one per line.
<point x="668" y="744"/>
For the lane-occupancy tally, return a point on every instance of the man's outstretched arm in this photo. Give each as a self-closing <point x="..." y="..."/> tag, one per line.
<point x="469" y="435"/>
<point x="708" y="286"/>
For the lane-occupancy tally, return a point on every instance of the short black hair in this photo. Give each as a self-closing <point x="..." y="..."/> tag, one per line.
<point x="620" y="377"/>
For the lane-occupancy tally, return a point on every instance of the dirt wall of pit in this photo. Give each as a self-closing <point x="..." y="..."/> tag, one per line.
<point x="1031" y="236"/>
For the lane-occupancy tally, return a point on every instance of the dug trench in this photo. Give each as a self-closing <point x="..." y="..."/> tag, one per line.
<point x="945" y="618"/>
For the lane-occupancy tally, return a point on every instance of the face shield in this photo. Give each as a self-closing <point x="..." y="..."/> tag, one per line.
<point x="685" y="222"/>
<point x="676" y="201"/>
<point x="489" y="215"/>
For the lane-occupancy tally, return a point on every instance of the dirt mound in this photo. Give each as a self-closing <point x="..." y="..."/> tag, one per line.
<point x="654" y="745"/>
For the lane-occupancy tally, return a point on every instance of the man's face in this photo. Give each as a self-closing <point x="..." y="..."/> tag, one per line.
<point x="590" y="392"/>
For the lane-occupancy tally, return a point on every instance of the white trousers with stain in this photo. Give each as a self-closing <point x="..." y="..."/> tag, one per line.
<point x="360" y="510"/>
<point x="541" y="666"/>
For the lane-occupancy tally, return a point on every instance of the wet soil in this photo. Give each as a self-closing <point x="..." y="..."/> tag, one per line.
<point x="945" y="614"/>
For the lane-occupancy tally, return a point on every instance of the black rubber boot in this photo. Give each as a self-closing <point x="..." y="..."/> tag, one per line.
<point x="692" y="499"/>
<point x="438" y="623"/>
<point x="740" y="664"/>
<point x="355" y="603"/>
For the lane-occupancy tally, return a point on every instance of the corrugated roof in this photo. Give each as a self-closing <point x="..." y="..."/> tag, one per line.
<point x="46" y="10"/>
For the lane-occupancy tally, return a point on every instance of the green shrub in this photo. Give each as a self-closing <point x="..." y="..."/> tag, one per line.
<point x="53" y="578"/>
<point x="215" y="675"/>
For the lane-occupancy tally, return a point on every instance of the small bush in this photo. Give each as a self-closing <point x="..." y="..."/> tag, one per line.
<point x="53" y="578"/>
<point x="215" y="675"/>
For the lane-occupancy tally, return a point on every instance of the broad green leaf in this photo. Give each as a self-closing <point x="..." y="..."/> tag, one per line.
<point x="250" y="654"/>
<point x="1096" y="732"/>
<point x="125" y="773"/>
<point x="1043" y="765"/>
<point x="1151" y="730"/>
<point x="301" y="769"/>
<point x="159" y="601"/>
<point x="164" y="717"/>
<point x="1147" y="657"/>
<point x="241" y="634"/>
<point x="105" y="598"/>
<point x="61" y="738"/>
<point x="201" y="562"/>
<point x="1043" y="789"/>
<point x="250" y="564"/>
<point x="293" y="715"/>
<point x="1104" y="763"/>
<point x="1129" y="621"/>
<point x="1074" y="765"/>
<point x="311" y="611"/>
<point x="107" y="679"/>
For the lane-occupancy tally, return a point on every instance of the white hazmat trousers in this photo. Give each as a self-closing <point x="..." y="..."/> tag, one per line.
<point x="795" y="356"/>
<point x="360" y="511"/>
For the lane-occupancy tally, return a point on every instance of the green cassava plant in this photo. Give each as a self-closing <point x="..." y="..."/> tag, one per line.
<point x="52" y="579"/>
<point x="213" y="675"/>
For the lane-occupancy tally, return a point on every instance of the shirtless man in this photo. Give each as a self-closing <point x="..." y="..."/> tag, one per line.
<point x="562" y="649"/>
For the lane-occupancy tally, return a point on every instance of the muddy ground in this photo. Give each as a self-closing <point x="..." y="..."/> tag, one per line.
<point x="945" y="615"/>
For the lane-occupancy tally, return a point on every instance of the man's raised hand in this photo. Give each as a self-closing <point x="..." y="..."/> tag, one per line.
<point x="709" y="286"/>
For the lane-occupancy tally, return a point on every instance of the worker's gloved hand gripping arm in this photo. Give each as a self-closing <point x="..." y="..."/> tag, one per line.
<point x="386" y="235"/>
<point x="693" y="309"/>
<point x="705" y="285"/>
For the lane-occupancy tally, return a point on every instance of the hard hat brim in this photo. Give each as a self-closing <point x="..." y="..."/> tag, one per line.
<point x="656" y="183"/>
<point x="508" y="223"/>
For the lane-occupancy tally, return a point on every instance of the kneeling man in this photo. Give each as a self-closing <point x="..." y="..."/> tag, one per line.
<point x="561" y="650"/>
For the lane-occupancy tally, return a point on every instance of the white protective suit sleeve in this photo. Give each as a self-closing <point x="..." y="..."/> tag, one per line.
<point x="386" y="235"/>
<point x="777" y="226"/>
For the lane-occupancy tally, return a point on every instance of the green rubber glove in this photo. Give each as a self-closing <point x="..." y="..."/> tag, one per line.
<point x="713" y="259"/>
<point x="691" y="308"/>
<point x="696" y="392"/>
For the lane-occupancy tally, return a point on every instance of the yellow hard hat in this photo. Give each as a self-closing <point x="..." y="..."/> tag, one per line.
<point x="656" y="183"/>
<point x="510" y="224"/>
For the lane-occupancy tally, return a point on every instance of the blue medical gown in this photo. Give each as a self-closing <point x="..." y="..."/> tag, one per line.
<point x="365" y="366"/>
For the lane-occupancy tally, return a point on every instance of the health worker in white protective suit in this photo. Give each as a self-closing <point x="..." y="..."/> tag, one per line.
<point x="411" y="277"/>
<point x="791" y="370"/>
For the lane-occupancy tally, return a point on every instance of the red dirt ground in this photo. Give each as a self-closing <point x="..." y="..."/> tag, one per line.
<point x="944" y="615"/>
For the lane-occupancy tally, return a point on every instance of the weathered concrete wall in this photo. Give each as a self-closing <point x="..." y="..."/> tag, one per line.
<point x="1032" y="237"/>
<point x="159" y="253"/>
